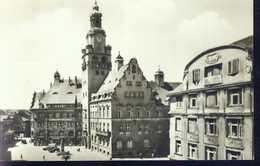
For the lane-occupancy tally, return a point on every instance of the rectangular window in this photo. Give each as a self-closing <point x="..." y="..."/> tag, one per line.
<point x="196" y="75"/>
<point x="210" y="153"/>
<point x="97" y="72"/>
<point x="129" y="83"/>
<point x="121" y="128"/>
<point x="178" y="124"/>
<point x="104" y="126"/>
<point x="192" y="126"/>
<point x="235" y="97"/>
<point x="147" y="127"/>
<point x="192" y="151"/>
<point x="233" y="66"/>
<point x="178" y="148"/>
<point x="211" y="127"/>
<point x="233" y="155"/>
<point x="213" y="70"/>
<point x="57" y="115"/>
<point x="179" y="101"/>
<point x="127" y="94"/>
<point x="102" y="73"/>
<point x="211" y="99"/>
<point x="127" y="127"/>
<point x="234" y="128"/>
<point x="138" y="83"/>
<point x="107" y="126"/>
<point x="141" y="126"/>
<point x="193" y="100"/>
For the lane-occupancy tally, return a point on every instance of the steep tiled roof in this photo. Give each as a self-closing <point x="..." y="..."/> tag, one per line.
<point x="163" y="91"/>
<point x="59" y="93"/>
<point x="112" y="80"/>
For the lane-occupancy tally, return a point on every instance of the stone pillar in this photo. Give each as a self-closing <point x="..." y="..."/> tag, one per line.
<point x="248" y="137"/>
<point x="201" y="102"/>
<point x="201" y="145"/>
<point x="247" y="99"/>
<point x="221" y="137"/>
<point x="185" y="103"/>
<point x="222" y="101"/>
<point x="184" y="141"/>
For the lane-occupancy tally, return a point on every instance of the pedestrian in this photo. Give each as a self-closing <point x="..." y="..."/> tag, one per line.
<point x="43" y="157"/>
<point x="152" y="155"/>
<point x="141" y="155"/>
<point x="21" y="156"/>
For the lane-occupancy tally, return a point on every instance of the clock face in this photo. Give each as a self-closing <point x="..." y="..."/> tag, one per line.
<point x="99" y="39"/>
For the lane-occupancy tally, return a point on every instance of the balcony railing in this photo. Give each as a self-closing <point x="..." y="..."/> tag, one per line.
<point x="103" y="132"/>
<point x="212" y="80"/>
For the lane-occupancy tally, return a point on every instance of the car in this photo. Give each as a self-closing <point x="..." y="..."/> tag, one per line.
<point x="53" y="149"/>
<point x="66" y="157"/>
<point x="63" y="153"/>
<point x="24" y="142"/>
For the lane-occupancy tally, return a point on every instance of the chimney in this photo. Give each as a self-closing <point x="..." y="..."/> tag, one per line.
<point x="69" y="81"/>
<point x="119" y="61"/>
<point x="159" y="77"/>
<point x="76" y="81"/>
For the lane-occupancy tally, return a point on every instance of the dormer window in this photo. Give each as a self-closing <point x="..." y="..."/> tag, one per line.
<point x="55" y="93"/>
<point x="69" y="93"/>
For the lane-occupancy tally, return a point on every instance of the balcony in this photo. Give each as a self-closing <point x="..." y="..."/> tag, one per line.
<point x="103" y="133"/>
<point x="212" y="80"/>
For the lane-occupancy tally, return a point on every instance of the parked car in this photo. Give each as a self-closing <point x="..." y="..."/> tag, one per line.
<point x="24" y="142"/>
<point x="63" y="153"/>
<point x="54" y="149"/>
<point x="66" y="157"/>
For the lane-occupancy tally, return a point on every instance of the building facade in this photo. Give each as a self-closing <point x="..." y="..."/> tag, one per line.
<point x="126" y="118"/>
<point x="57" y="114"/>
<point x="211" y="112"/>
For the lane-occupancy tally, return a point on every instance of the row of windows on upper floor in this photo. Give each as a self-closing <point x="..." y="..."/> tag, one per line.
<point x="234" y="98"/>
<point x="233" y="127"/>
<point x="212" y="74"/>
<point x="61" y="133"/>
<point x="120" y="143"/>
<point x="211" y="152"/>
<point x="58" y="115"/>
<point x="123" y="114"/>
<point x="57" y="124"/>
<point x="130" y="83"/>
<point x="60" y="105"/>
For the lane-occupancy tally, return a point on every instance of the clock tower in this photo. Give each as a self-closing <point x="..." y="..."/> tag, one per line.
<point x="96" y="64"/>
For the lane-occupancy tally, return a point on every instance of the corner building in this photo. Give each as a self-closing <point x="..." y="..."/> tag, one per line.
<point x="57" y="114"/>
<point x="211" y="112"/>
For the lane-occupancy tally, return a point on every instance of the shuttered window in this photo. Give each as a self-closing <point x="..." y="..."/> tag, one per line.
<point x="233" y="67"/>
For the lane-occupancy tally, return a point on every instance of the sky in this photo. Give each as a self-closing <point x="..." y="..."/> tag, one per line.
<point x="38" y="38"/>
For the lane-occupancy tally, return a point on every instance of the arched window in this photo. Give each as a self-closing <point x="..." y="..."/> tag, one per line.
<point x="104" y="59"/>
<point x="92" y="138"/>
<point x="55" y="93"/>
<point x="119" y="144"/>
<point x="146" y="142"/>
<point x="71" y="93"/>
<point x="129" y="143"/>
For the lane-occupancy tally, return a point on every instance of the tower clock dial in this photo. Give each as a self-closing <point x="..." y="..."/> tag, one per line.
<point x="99" y="38"/>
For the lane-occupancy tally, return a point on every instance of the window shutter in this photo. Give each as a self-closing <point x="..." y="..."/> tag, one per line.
<point x="229" y="67"/>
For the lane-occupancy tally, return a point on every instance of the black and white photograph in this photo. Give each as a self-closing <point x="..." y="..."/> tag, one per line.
<point x="126" y="80"/>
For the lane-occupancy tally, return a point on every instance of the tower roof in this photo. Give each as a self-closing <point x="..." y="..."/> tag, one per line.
<point x="56" y="73"/>
<point x="159" y="72"/>
<point x="96" y="12"/>
<point x="119" y="57"/>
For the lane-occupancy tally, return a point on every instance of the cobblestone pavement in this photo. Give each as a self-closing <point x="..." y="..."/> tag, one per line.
<point x="29" y="152"/>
